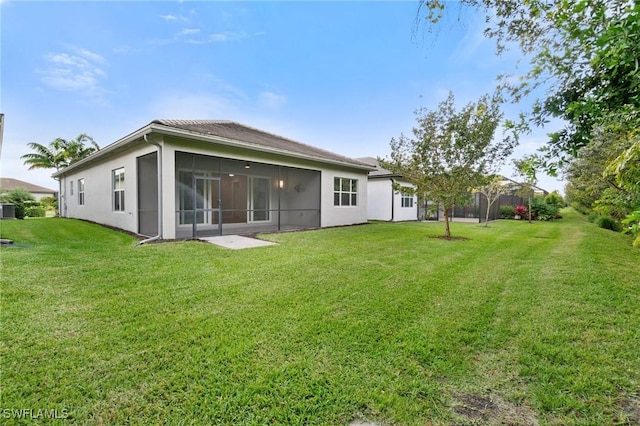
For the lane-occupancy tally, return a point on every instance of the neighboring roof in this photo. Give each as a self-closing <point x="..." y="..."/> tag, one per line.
<point x="379" y="172"/>
<point x="226" y="133"/>
<point x="9" y="184"/>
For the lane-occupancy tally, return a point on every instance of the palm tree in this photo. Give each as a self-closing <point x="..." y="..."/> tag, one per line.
<point x="60" y="153"/>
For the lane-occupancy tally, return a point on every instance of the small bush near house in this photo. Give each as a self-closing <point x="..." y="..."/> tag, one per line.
<point x="541" y="210"/>
<point x="507" y="212"/>
<point x="35" y="211"/>
<point x="20" y="198"/>
<point x="49" y="203"/>
<point x="520" y="210"/>
<point x="607" y="222"/>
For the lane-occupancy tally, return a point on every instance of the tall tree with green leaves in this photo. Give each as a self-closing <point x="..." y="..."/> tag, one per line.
<point x="585" y="53"/>
<point x="60" y="153"/>
<point x="450" y="151"/>
<point x="588" y="174"/>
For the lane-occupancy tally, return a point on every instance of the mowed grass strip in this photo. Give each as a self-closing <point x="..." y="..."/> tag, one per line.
<point x="377" y="322"/>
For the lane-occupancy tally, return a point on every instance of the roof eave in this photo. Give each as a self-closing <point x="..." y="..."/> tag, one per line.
<point x="119" y="144"/>
<point x="172" y="131"/>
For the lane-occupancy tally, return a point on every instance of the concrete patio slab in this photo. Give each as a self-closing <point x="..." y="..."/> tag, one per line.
<point x="237" y="242"/>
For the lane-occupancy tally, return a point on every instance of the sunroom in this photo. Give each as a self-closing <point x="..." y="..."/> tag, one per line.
<point x="222" y="196"/>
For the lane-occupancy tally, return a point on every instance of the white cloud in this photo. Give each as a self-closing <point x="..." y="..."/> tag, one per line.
<point x="220" y="37"/>
<point x="189" y="31"/>
<point x="272" y="100"/>
<point x="175" y="18"/>
<point x="80" y="69"/>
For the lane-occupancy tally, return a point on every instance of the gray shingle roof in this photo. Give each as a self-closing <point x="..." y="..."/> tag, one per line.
<point x="379" y="172"/>
<point x="9" y="184"/>
<point x="239" y="132"/>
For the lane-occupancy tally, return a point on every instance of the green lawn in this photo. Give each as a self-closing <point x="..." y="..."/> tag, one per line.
<point x="521" y="324"/>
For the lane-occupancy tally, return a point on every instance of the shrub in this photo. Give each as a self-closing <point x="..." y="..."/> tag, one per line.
<point x="607" y="222"/>
<point x="19" y="210"/>
<point x="554" y="199"/>
<point x="49" y="203"/>
<point x="541" y="210"/>
<point x="580" y="208"/>
<point x="613" y="203"/>
<point x="35" y="211"/>
<point x="520" y="210"/>
<point x="507" y="212"/>
<point x="19" y="197"/>
<point x="592" y="217"/>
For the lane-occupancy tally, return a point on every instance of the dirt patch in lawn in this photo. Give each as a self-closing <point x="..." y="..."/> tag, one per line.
<point x="493" y="410"/>
<point x="442" y="237"/>
<point x="630" y="406"/>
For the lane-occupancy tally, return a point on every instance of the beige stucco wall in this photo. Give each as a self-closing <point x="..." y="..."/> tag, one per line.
<point x="380" y="201"/>
<point x="98" y="196"/>
<point x="98" y="184"/>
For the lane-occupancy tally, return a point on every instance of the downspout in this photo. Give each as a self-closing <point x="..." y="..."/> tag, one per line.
<point x="160" y="204"/>
<point x="63" y="187"/>
<point x="393" y="201"/>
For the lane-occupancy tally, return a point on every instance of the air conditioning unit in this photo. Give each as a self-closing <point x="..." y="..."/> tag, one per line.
<point x="7" y="211"/>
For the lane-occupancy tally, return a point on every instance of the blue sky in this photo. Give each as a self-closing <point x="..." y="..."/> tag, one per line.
<point x="343" y="76"/>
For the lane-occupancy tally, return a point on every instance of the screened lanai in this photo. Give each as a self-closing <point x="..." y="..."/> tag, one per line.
<point x="222" y="196"/>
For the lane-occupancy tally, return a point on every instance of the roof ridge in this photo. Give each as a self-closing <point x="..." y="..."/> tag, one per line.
<point x="169" y="122"/>
<point x="185" y="121"/>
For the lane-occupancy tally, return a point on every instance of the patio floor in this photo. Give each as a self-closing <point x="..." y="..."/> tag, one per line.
<point x="236" y="242"/>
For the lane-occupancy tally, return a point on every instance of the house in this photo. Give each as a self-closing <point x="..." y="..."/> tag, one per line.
<point x="38" y="192"/>
<point x="386" y="202"/>
<point x="476" y="209"/>
<point x="193" y="178"/>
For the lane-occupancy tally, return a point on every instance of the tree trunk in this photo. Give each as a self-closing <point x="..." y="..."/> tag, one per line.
<point x="529" y="209"/>
<point x="447" y="231"/>
<point x="486" y="219"/>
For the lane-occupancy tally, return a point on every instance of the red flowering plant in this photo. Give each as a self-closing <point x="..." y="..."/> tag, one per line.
<point x="520" y="210"/>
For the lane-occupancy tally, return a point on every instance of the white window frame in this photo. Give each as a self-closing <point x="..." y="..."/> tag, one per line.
<point x="117" y="185"/>
<point x="347" y="189"/>
<point x="81" y="192"/>
<point x="406" y="200"/>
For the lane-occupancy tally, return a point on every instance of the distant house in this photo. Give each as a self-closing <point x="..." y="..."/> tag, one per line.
<point x="38" y="192"/>
<point x="385" y="202"/>
<point x="192" y="178"/>
<point x="476" y="209"/>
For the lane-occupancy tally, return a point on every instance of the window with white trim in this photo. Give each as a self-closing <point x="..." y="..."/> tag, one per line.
<point x="117" y="180"/>
<point x="407" y="200"/>
<point x="81" y="192"/>
<point x="345" y="192"/>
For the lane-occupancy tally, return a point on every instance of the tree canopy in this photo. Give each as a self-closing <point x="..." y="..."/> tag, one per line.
<point x="450" y="151"/>
<point x="585" y="53"/>
<point x="60" y="153"/>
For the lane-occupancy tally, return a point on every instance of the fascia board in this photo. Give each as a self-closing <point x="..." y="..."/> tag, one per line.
<point x="109" y="149"/>
<point x="170" y="131"/>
